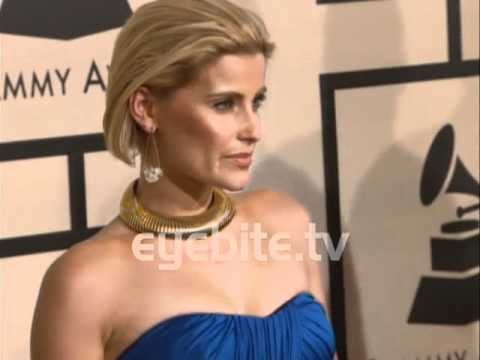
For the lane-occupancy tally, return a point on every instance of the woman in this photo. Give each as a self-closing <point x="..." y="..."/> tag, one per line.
<point x="186" y="81"/>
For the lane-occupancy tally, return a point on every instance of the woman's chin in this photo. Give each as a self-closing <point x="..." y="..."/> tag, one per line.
<point x="236" y="184"/>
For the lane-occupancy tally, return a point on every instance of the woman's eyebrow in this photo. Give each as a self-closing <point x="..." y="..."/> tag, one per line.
<point x="263" y="90"/>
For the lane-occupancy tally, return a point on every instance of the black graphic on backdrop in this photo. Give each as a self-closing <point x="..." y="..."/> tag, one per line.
<point x="444" y="300"/>
<point x="454" y="67"/>
<point x="74" y="148"/>
<point x="60" y="19"/>
<point x="66" y="20"/>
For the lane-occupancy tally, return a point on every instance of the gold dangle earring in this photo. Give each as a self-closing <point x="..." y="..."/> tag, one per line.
<point x="151" y="170"/>
<point x="132" y="153"/>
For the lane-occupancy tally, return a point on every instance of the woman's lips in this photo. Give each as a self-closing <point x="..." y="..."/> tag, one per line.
<point x="241" y="160"/>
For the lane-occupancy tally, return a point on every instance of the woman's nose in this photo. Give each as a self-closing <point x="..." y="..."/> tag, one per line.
<point x="250" y="128"/>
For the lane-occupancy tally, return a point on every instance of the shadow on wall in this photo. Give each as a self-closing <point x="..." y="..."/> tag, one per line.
<point x="340" y="46"/>
<point x="391" y="172"/>
<point x="399" y="232"/>
<point x="276" y="173"/>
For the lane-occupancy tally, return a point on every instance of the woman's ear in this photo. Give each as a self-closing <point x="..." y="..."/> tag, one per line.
<point x="142" y="108"/>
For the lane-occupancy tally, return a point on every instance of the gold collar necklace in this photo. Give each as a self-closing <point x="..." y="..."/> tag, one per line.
<point x="218" y="215"/>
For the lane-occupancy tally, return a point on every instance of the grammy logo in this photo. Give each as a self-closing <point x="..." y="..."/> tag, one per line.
<point x="443" y="300"/>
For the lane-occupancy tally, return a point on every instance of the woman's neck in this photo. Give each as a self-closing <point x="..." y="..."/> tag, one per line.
<point x="170" y="198"/>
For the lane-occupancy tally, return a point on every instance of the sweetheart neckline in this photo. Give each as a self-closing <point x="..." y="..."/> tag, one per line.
<point x="227" y="314"/>
<point x="161" y="323"/>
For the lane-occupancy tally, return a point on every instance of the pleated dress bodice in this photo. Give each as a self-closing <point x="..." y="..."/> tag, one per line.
<point x="297" y="330"/>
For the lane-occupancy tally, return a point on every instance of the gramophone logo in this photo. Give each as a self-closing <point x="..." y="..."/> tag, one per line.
<point x="61" y="19"/>
<point x="450" y="300"/>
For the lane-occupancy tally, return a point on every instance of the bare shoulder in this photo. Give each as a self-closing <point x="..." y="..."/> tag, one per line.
<point x="100" y="255"/>
<point x="281" y="212"/>
<point x="98" y="262"/>
<point x="79" y="288"/>
<point x="278" y="210"/>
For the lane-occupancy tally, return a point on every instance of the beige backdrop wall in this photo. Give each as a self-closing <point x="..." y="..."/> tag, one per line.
<point x="363" y="97"/>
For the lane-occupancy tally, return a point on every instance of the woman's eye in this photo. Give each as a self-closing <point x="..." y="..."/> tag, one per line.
<point x="223" y="105"/>
<point x="228" y="104"/>
<point x="259" y="102"/>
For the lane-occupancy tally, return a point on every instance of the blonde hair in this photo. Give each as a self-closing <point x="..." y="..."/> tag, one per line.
<point x="162" y="46"/>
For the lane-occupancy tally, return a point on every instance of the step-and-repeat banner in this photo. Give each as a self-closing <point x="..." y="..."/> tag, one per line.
<point x="372" y="122"/>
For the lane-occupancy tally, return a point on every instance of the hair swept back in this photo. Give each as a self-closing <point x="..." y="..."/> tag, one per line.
<point x="161" y="46"/>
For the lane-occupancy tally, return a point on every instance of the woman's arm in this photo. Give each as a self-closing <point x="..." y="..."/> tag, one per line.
<point x="69" y="316"/>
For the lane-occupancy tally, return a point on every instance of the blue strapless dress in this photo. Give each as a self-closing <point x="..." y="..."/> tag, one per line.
<point x="297" y="330"/>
